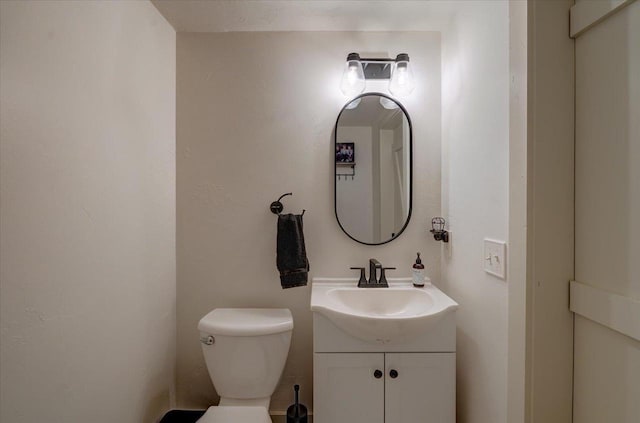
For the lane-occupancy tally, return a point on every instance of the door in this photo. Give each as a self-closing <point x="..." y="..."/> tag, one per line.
<point x="347" y="388"/>
<point x="606" y="293"/>
<point x="420" y="388"/>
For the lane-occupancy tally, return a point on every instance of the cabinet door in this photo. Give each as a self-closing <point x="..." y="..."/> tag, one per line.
<point x="346" y="389"/>
<point x="420" y="388"/>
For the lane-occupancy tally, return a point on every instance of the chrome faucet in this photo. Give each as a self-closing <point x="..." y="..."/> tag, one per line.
<point x="374" y="281"/>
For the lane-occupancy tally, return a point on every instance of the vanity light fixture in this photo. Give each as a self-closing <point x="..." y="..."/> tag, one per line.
<point x="357" y="70"/>
<point x="401" y="82"/>
<point x="353" y="76"/>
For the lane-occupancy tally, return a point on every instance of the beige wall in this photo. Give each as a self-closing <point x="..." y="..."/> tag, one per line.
<point x="255" y="118"/>
<point x="355" y="195"/>
<point x="607" y="363"/>
<point x="87" y="290"/>
<point x="476" y="200"/>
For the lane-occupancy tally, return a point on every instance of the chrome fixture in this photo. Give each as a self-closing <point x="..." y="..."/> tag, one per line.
<point x="438" y="231"/>
<point x="208" y="340"/>
<point x="374" y="281"/>
<point x="357" y="70"/>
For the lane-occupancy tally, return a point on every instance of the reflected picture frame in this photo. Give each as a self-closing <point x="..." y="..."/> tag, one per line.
<point x="345" y="153"/>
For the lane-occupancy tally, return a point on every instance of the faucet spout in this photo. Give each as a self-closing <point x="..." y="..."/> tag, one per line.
<point x="374" y="265"/>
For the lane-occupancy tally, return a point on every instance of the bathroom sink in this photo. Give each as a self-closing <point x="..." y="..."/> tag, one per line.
<point x="380" y="315"/>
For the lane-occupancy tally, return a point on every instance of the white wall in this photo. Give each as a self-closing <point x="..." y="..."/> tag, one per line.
<point x="387" y="185"/>
<point x="87" y="290"/>
<point x="354" y="195"/>
<point x="255" y="118"/>
<point x="475" y="199"/>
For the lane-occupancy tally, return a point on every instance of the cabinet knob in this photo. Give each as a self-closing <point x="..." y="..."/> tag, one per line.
<point x="393" y="373"/>
<point x="377" y="374"/>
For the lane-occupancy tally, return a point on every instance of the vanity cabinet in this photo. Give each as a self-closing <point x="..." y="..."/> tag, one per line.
<point x="384" y="387"/>
<point x="346" y="388"/>
<point x="383" y="355"/>
<point x="424" y="389"/>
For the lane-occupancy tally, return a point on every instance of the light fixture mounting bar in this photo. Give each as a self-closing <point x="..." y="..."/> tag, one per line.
<point x="377" y="68"/>
<point x="357" y="70"/>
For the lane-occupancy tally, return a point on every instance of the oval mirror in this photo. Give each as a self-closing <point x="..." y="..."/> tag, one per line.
<point x="373" y="168"/>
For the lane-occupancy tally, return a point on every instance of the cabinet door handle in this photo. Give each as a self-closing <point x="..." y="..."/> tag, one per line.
<point x="393" y="373"/>
<point x="377" y="374"/>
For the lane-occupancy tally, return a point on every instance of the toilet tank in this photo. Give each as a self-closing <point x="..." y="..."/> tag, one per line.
<point x="248" y="351"/>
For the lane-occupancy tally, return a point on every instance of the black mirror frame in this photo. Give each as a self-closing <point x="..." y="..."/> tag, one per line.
<point x="335" y="167"/>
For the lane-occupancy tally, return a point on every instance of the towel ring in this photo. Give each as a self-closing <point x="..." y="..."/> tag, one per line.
<point x="276" y="207"/>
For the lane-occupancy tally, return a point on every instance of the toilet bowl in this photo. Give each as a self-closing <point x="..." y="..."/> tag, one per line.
<point x="245" y="351"/>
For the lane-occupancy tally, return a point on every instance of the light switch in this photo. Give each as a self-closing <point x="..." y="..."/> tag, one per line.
<point x="495" y="258"/>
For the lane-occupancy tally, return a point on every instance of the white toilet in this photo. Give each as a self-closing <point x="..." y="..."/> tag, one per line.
<point x="245" y="350"/>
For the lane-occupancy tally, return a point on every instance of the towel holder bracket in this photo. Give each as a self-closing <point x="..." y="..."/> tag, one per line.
<point x="276" y="207"/>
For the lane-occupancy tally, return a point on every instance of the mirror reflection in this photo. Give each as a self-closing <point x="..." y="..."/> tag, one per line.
<point x="373" y="169"/>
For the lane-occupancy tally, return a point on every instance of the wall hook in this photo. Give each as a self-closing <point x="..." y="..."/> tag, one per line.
<point x="346" y="175"/>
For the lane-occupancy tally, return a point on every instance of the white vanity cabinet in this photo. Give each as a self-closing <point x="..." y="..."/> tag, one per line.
<point x="345" y="388"/>
<point x="424" y="389"/>
<point x="411" y="387"/>
<point x="371" y="364"/>
<point x="415" y="382"/>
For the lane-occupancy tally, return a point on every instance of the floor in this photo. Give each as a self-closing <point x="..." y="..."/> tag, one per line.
<point x="182" y="416"/>
<point x="191" y="416"/>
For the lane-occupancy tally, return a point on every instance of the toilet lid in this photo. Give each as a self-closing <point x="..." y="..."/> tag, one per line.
<point x="228" y="414"/>
<point x="246" y="321"/>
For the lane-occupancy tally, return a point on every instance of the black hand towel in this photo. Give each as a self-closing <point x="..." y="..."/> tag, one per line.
<point x="292" y="255"/>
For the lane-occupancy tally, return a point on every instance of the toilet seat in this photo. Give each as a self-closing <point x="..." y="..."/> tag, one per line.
<point x="226" y="414"/>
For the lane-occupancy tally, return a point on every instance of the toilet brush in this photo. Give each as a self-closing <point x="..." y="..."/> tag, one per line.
<point x="297" y="413"/>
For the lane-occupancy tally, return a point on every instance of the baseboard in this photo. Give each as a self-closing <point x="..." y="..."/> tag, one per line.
<point x="281" y="417"/>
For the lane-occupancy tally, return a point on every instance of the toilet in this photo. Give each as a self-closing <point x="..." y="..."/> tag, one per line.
<point x="245" y="350"/>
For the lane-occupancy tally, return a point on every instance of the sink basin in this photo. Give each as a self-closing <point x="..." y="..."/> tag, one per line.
<point x="393" y="302"/>
<point x="380" y="315"/>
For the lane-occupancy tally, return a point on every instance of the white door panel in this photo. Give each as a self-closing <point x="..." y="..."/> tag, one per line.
<point x="607" y="216"/>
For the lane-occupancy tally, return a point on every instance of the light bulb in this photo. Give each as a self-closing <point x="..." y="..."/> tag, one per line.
<point x="355" y="103"/>
<point x="401" y="82"/>
<point x="353" y="82"/>
<point x="388" y="104"/>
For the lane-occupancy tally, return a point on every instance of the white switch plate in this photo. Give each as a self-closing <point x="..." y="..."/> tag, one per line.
<point x="495" y="258"/>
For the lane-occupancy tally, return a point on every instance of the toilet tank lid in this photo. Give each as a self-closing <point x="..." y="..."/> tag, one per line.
<point x="246" y="321"/>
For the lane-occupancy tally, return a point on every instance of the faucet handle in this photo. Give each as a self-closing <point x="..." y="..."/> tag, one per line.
<point x="363" y="279"/>
<point x="383" y="277"/>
